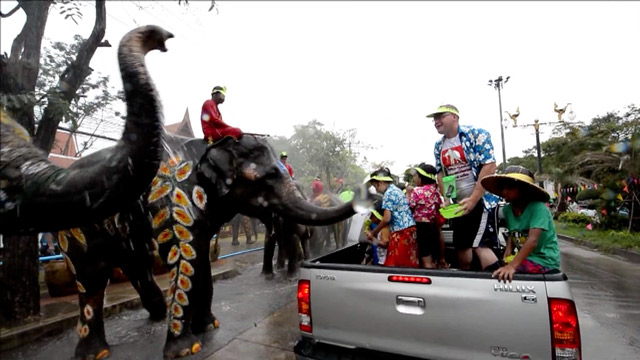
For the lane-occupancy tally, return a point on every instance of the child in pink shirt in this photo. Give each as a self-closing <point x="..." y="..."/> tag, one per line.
<point x="425" y="201"/>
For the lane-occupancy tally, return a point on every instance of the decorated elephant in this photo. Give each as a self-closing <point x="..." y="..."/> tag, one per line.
<point x="37" y="196"/>
<point x="197" y="189"/>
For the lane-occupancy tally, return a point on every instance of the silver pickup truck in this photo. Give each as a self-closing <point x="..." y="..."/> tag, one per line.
<point x="352" y="311"/>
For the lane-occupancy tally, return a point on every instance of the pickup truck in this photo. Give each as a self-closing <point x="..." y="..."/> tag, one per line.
<point x="351" y="311"/>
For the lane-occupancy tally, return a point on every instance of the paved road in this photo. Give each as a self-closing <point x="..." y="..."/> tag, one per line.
<point x="605" y="288"/>
<point x="240" y="303"/>
<point x="607" y="294"/>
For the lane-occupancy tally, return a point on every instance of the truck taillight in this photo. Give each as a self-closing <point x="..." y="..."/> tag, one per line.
<point x="565" y="330"/>
<point x="409" y="279"/>
<point x="304" y="305"/>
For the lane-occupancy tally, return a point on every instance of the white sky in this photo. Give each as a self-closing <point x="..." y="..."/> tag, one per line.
<point x="379" y="67"/>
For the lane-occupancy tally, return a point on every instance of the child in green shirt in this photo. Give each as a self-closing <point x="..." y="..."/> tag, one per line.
<point x="529" y="221"/>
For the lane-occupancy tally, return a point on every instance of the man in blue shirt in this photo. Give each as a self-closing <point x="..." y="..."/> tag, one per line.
<point x="467" y="153"/>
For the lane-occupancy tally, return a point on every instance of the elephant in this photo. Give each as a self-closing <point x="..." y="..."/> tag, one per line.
<point x="249" y="225"/>
<point x="37" y="196"/>
<point x="322" y="235"/>
<point x="197" y="189"/>
<point x="293" y="243"/>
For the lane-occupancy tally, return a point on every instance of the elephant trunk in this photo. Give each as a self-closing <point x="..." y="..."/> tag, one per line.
<point x="296" y="208"/>
<point x="40" y="196"/>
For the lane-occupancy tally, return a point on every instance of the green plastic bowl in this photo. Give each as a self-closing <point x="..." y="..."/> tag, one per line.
<point x="451" y="211"/>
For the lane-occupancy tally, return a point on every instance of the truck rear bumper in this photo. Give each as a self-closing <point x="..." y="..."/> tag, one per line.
<point x="306" y="349"/>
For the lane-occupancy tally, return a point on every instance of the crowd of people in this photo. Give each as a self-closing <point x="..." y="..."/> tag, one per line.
<point x="414" y="221"/>
<point x="405" y="229"/>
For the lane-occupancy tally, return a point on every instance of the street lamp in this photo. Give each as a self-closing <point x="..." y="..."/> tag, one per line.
<point x="498" y="84"/>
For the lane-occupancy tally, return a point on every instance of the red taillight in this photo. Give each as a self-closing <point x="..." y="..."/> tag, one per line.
<point x="304" y="305"/>
<point x="565" y="330"/>
<point x="409" y="279"/>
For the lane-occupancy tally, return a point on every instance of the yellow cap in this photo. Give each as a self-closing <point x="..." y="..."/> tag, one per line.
<point x="444" y="109"/>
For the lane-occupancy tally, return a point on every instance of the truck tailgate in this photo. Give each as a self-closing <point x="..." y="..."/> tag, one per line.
<point x="458" y="315"/>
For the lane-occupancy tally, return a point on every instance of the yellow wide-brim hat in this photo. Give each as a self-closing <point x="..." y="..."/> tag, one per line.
<point x="444" y="109"/>
<point x="519" y="176"/>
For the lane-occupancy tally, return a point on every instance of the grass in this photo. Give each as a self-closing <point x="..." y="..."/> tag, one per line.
<point x="605" y="240"/>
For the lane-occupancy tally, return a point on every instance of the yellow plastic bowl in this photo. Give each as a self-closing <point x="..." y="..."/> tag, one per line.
<point x="451" y="211"/>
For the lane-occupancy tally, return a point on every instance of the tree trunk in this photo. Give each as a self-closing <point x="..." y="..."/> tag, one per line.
<point x="19" y="283"/>
<point x="70" y="80"/>
<point x="20" y="71"/>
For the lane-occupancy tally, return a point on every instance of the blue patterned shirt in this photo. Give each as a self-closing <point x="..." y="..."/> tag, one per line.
<point x="478" y="149"/>
<point x="396" y="202"/>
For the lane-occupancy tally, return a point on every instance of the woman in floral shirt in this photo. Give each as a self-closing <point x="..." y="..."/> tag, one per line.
<point x="402" y="250"/>
<point x="425" y="201"/>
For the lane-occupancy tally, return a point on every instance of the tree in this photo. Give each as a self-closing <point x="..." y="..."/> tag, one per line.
<point x="315" y="151"/>
<point x="19" y="73"/>
<point x="92" y="98"/>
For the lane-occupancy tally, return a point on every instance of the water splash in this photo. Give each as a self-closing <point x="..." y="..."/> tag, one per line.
<point x="362" y="200"/>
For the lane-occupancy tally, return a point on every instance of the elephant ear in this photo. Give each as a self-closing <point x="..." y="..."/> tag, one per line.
<point x="218" y="166"/>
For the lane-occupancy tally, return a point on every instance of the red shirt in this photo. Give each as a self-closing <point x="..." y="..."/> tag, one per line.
<point x="290" y="169"/>
<point x="213" y="127"/>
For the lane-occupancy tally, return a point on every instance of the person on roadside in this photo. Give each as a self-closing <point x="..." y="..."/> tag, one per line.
<point x="213" y="127"/>
<point x="425" y="201"/>
<point x="530" y="223"/>
<point x="283" y="159"/>
<point x="402" y="250"/>
<point x="467" y="153"/>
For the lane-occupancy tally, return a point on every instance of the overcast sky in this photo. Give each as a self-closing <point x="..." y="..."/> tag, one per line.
<point x="379" y="67"/>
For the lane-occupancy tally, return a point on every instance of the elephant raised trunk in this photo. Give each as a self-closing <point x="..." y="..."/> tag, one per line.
<point x="36" y="195"/>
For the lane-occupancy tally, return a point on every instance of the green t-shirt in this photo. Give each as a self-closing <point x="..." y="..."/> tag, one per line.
<point x="535" y="215"/>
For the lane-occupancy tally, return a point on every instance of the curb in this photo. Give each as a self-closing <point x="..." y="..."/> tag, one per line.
<point x="27" y="333"/>
<point x="627" y="255"/>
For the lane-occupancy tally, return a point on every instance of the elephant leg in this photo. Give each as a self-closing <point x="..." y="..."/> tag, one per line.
<point x="254" y="227"/>
<point x="137" y="265"/>
<point x="248" y="230"/>
<point x="294" y="250"/>
<point x="304" y="242"/>
<point x="141" y="277"/>
<point x="180" y="339"/>
<point x="203" y="319"/>
<point x="92" y="282"/>
<point x="269" y="248"/>
<point x="235" y="230"/>
<point x="283" y="240"/>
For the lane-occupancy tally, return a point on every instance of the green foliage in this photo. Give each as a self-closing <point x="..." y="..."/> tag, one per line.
<point x="69" y="9"/>
<point x="588" y="194"/>
<point x="92" y="98"/>
<point x="315" y="151"/>
<point x="17" y="101"/>
<point x="614" y="222"/>
<point x="605" y="240"/>
<point x="574" y="218"/>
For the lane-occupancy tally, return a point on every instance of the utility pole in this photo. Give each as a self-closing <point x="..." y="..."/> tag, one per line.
<point x="498" y="84"/>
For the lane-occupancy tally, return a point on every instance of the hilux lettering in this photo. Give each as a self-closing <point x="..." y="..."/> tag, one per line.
<point x="517" y="288"/>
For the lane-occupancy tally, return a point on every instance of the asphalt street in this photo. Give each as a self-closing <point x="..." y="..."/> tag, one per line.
<point x="607" y="293"/>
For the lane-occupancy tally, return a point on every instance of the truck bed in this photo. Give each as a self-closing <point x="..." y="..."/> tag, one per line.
<point x="372" y="312"/>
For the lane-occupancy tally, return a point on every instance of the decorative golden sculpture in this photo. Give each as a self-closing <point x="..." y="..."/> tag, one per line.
<point x="560" y="111"/>
<point x="514" y="117"/>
